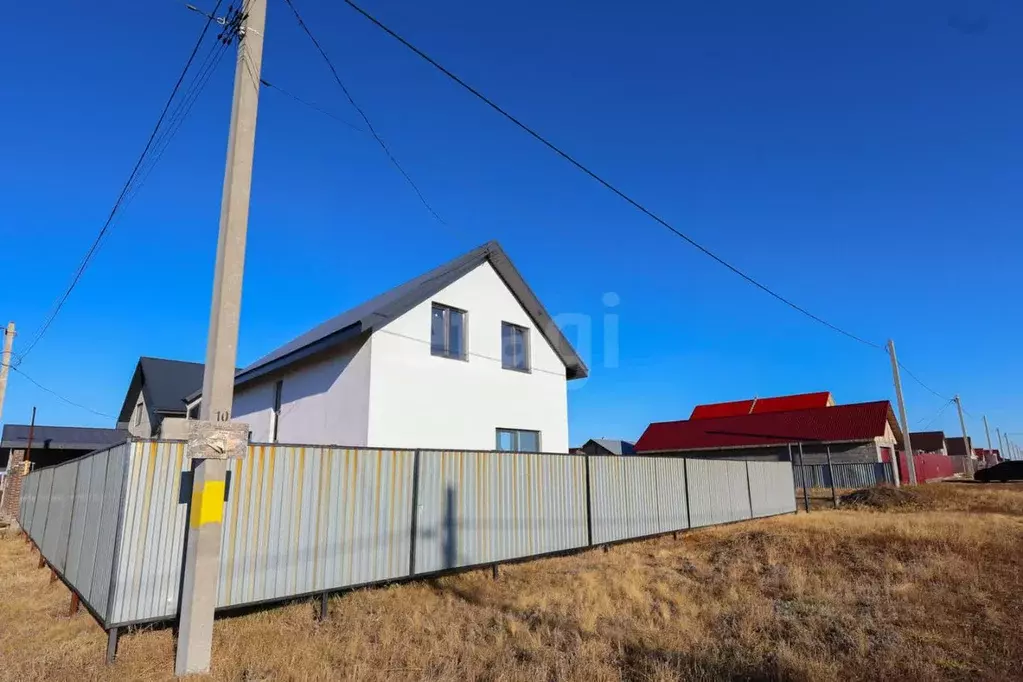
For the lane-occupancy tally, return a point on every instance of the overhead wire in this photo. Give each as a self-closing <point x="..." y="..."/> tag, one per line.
<point x="369" y="125"/>
<point x="605" y="183"/>
<point x="311" y="105"/>
<point x="940" y="412"/>
<point x="58" y="395"/>
<point x="125" y="190"/>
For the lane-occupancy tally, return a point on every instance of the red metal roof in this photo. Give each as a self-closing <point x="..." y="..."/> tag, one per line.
<point x="782" y="403"/>
<point x="859" y="421"/>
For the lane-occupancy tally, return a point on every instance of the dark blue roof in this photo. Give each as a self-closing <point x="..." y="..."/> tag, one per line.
<point x="380" y="310"/>
<point x="61" y="437"/>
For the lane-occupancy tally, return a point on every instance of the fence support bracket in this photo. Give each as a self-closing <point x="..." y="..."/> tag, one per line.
<point x="112" y="636"/>
<point x="322" y="615"/>
<point x="73" y="609"/>
<point x="495" y="571"/>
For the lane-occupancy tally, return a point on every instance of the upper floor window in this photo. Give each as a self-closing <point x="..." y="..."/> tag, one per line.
<point x="138" y="414"/>
<point x="518" y="440"/>
<point x="276" y="416"/>
<point x="514" y="347"/>
<point x="447" y="332"/>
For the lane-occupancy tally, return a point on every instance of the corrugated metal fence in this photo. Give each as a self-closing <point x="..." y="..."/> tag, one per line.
<point x="305" y="520"/>
<point x="865" y="475"/>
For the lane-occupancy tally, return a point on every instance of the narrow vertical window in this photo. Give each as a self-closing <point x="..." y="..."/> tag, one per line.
<point x="514" y="347"/>
<point x="447" y="332"/>
<point x="278" y="389"/>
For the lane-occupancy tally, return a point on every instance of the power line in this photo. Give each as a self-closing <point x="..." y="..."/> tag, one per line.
<point x="608" y="185"/>
<point x="365" y="118"/>
<point x="917" y="380"/>
<point x="123" y="194"/>
<point x="311" y="105"/>
<point x="58" y="395"/>
<point x="936" y="416"/>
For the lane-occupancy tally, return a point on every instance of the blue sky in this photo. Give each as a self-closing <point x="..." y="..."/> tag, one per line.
<point x="864" y="160"/>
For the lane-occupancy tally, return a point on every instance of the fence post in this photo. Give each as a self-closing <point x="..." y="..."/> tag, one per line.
<point x="749" y="491"/>
<point x="685" y="475"/>
<point x="589" y="510"/>
<point x="831" y="474"/>
<point x="806" y="490"/>
<point x="415" y="514"/>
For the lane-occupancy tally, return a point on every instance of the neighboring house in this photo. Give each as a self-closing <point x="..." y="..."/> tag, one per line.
<point x="56" y="444"/>
<point x="860" y="432"/>
<point x="607" y="446"/>
<point x="463" y="357"/>
<point x="157" y="390"/>
<point x="957" y="448"/>
<point x="928" y="442"/>
<point x="781" y="403"/>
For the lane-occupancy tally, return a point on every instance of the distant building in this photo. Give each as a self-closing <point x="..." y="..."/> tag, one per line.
<point x="957" y="448"/>
<point x="860" y="432"/>
<point x="928" y="442"/>
<point x="607" y="446"/>
<point x="783" y="403"/>
<point x="55" y="444"/>
<point x="157" y="391"/>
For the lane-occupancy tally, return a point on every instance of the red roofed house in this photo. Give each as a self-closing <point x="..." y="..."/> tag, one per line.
<point x="781" y="403"/>
<point x="861" y="432"/>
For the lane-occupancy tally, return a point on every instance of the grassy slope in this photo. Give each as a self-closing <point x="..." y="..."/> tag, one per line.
<point x="925" y="592"/>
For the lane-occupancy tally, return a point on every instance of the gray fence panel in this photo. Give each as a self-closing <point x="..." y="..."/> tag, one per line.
<point x="641" y="490"/>
<point x="41" y="506"/>
<point x="108" y="530"/>
<point x="86" y="524"/>
<point x="769" y="488"/>
<point x="58" y="515"/>
<point x="738" y="492"/>
<point x="26" y="505"/>
<point x="486" y="507"/>
<point x="608" y="499"/>
<point x="671" y="494"/>
<point x="297" y="520"/>
<point x="863" y="475"/>
<point x="703" y="479"/>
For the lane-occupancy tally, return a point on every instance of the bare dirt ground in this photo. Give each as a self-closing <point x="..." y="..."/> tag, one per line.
<point x="927" y="589"/>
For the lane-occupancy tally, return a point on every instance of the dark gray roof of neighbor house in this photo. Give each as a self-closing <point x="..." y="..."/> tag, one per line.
<point x="61" y="437"/>
<point x="165" y="385"/>
<point x="616" y="447"/>
<point x="380" y="310"/>
<point x="956" y="446"/>
<point x="928" y="441"/>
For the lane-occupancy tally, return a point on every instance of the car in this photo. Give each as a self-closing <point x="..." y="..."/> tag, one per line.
<point x="1003" y="471"/>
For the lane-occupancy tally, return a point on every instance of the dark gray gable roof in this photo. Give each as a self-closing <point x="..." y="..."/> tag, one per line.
<point x="380" y="310"/>
<point x="616" y="447"/>
<point x="61" y="437"/>
<point x="164" y="383"/>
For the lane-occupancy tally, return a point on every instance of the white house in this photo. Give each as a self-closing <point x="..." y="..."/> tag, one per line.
<point x="463" y="357"/>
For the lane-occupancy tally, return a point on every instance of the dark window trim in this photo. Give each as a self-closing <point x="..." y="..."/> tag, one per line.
<point x="516" y="432"/>
<point x="527" y="350"/>
<point x="278" y="390"/>
<point x="464" y="355"/>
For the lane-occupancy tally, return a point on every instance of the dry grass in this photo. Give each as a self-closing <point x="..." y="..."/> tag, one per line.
<point x="928" y="592"/>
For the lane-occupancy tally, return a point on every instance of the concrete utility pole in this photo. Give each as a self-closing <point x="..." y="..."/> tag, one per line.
<point x="966" y="439"/>
<point x="908" y="445"/>
<point x="1001" y="448"/>
<point x="989" y="458"/>
<point x="5" y="363"/>
<point x="212" y="440"/>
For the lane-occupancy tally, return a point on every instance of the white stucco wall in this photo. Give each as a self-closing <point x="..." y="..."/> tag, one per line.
<point x="420" y="400"/>
<point x="323" y="402"/>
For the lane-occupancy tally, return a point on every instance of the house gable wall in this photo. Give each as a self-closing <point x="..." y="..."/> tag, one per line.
<point x="421" y="400"/>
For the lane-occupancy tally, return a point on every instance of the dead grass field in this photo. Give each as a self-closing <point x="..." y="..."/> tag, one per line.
<point x="929" y="591"/>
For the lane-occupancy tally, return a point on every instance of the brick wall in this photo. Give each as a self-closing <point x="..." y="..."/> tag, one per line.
<point x="12" y="487"/>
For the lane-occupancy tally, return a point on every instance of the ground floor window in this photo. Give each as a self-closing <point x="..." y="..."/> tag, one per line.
<point x="518" y="440"/>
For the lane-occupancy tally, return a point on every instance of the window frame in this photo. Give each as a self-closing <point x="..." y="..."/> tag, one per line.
<point x="276" y="411"/>
<point x="526" y="348"/>
<point x="516" y="433"/>
<point x="446" y="353"/>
